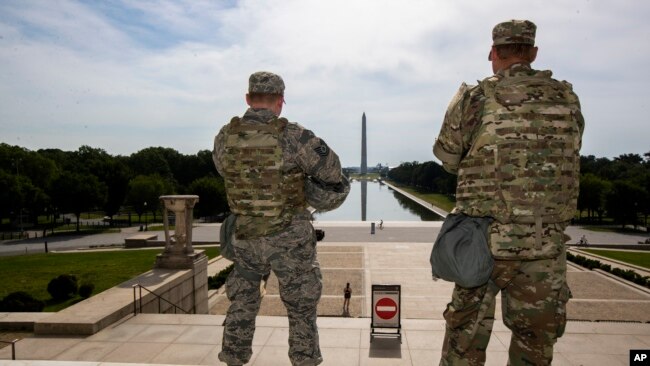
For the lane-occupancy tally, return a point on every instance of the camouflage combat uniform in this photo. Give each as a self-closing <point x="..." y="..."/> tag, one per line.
<point x="281" y="238"/>
<point x="514" y="141"/>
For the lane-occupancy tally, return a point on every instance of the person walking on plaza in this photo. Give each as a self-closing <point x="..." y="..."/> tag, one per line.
<point x="514" y="141"/>
<point x="347" y="295"/>
<point x="271" y="167"/>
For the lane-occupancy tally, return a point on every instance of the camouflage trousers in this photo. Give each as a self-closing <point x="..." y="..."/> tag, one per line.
<point x="291" y="255"/>
<point x="533" y="301"/>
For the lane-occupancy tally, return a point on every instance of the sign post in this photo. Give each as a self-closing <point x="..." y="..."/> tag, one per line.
<point x="386" y="310"/>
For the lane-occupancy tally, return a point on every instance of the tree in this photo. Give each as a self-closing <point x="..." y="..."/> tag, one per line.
<point x="93" y="161"/>
<point x="77" y="193"/>
<point x="117" y="182"/>
<point x="40" y="170"/>
<point x="212" y="196"/>
<point x="26" y="177"/>
<point x="624" y="202"/>
<point x="593" y="195"/>
<point x="18" y="195"/>
<point x="428" y="175"/>
<point x="151" y="161"/>
<point x="144" y="193"/>
<point x="403" y="173"/>
<point x="193" y="167"/>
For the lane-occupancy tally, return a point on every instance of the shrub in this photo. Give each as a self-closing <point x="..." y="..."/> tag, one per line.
<point x="62" y="287"/>
<point x="215" y="282"/>
<point x="627" y="274"/>
<point x="21" y="302"/>
<point x="86" y="289"/>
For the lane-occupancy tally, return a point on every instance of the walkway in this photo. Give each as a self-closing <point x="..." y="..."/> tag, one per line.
<point x="196" y="340"/>
<point x="349" y="253"/>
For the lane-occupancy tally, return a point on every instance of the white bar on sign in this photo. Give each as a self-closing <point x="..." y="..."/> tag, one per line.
<point x="386" y="308"/>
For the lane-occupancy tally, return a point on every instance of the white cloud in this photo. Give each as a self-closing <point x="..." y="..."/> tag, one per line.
<point x="124" y="76"/>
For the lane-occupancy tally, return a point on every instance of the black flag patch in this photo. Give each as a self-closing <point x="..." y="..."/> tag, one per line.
<point x="322" y="150"/>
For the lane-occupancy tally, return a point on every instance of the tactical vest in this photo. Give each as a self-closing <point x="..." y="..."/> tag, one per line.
<point x="263" y="197"/>
<point x="523" y="166"/>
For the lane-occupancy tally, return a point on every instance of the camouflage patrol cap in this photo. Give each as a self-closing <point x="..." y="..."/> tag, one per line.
<point x="265" y="82"/>
<point x="514" y="31"/>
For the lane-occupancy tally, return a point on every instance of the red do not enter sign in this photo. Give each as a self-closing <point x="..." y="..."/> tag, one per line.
<point x="386" y="308"/>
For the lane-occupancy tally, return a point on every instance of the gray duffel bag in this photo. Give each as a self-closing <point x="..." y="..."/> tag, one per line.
<point x="227" y="235"/>
<point x="461" y="253"/>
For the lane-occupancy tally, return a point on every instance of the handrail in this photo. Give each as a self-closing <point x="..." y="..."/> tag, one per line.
<point x="13" y="347"/>
<point x="135" y="302"/>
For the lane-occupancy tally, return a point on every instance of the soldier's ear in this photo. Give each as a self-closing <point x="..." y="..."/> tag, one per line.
<point x="533" y="54"/>
<point x="248" y="99"/>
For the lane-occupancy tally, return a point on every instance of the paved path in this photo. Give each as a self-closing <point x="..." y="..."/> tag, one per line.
<point x="596" y="296"/>
<point x="196" y="340"/>
<point x="396" y="255"/>
<point x="335" y="231"/>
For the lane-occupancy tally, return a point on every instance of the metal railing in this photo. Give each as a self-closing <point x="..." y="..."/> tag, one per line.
<point x="13" y="347"/>
<point x="137" y="300"/>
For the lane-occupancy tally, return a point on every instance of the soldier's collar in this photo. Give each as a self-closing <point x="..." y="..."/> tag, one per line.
<point x="515" y="69"/>
<point x="259" y="115"/>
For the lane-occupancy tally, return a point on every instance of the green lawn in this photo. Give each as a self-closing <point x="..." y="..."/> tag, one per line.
<point x="439" y="200"/>
<point x="32" y="273"/>
<point x="636" y="258"/>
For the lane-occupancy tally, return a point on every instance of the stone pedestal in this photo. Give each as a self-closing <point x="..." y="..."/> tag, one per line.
<point x="178" y="253"/>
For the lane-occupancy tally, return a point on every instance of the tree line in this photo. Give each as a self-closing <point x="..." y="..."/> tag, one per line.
<point x="52" y="181"/>
<point x="617" y="189"/>
<point x="429" y="176"/>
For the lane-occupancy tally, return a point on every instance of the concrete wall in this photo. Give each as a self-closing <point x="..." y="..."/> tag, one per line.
<point x="187" y="288"/>
<point x="188" y="291"/>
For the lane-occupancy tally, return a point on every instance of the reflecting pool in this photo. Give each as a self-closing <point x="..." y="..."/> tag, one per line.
<point x="373" y="201"/>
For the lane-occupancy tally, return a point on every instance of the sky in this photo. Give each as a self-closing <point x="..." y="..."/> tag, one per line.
<point x="126" y="75"/>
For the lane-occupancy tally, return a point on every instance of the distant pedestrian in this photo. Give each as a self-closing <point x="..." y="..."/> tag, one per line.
<point x="381" y="224"/>
<point x="347" y="295"/>
<point x="583" y="241"/>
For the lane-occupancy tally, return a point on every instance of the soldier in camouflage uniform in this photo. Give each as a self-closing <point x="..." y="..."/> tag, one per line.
<point x="514" y="142"/>
<point x="265" y="161"/>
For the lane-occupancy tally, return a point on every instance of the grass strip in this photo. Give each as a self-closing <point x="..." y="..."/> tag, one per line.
<point x="439" y="200"/>
<point x="636" y="258"/>
<point x="104" y="269"/>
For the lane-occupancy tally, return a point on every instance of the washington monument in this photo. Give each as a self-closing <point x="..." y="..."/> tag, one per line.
<point x="364" y="157"/>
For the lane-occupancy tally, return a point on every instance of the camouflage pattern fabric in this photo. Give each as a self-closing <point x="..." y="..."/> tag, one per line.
<point x="516" y="153"/>
<point x="264" y="82"/>
<point x="291" y="255"/>
<point x="514" y="32"/>
<point x="326" y="197"/>
<point x="260" y="193"/>
<point x="301" y="149"/>
<point x="524" y="163"/>
<point x="534" y="295"/>
<point x="527" y="240"/>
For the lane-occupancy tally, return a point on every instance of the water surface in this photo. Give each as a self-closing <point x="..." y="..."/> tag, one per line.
<point x="372" y="201"/>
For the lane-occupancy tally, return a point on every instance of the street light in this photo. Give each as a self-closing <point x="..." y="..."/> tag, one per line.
<point x="145" y="216"/>
<point x="20" y="214"/>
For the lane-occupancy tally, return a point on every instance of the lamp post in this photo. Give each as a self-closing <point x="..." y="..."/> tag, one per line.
<point x="145" y="216"/>
<point x="56" y="210"/>
<point x="47" y="217"/>
<point x="20" y="214"/>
